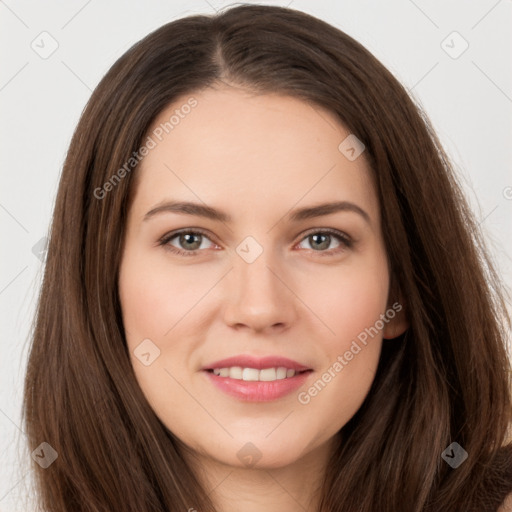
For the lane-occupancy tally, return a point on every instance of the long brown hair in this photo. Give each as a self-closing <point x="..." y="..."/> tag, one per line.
<point x="446" y="380"/>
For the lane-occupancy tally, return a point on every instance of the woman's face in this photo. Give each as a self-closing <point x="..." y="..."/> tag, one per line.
<point x="258" y="273"/>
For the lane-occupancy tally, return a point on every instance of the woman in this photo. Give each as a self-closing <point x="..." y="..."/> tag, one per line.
<point x="264" y="289"/>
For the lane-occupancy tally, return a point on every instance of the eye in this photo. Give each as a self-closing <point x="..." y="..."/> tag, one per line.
<point x="320" y="240"/>
<point x="189" y="242"/>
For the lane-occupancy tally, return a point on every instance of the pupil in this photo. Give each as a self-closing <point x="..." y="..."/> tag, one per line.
<point x="325" y="243"/>
<point x="188" y="239"/>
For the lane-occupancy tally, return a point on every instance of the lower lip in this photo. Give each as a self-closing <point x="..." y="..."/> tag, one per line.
<point x="258" y="391"/>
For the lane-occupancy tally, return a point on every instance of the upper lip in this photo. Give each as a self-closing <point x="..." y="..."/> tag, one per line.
<point x="259" y="363"/>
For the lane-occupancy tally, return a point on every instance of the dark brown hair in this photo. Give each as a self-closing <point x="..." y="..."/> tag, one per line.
<point x="445" y="380"/>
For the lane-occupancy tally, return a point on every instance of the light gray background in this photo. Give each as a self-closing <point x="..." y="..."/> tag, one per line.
<point x="468" y="99"/>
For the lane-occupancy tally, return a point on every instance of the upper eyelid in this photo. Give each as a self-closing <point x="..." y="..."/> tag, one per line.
<point x="171" y="234"/>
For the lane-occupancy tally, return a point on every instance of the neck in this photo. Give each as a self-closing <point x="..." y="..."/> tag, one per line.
<point x="291" y="488"/>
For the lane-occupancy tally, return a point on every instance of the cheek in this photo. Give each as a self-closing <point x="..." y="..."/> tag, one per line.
<point x="348" y="300"/>
<point x="151" y="306"/>
<point x="155" y="297"/>
<point x="350" y="304"/>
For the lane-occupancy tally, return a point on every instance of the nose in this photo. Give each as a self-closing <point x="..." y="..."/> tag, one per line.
<point x="260" y="296"/>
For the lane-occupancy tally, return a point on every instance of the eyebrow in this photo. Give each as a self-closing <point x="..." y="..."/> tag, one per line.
<point x="203" y="210"/>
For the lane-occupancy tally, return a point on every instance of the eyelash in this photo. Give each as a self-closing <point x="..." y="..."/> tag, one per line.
<point x="345" y="241"/>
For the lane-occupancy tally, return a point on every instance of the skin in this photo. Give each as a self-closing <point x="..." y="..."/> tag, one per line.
<point x="257" y="157"/>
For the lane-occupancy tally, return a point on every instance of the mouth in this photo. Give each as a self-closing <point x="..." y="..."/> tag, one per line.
<point x="253" y="379"/>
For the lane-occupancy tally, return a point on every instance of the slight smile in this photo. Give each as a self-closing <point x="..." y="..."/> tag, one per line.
<point x="255" y="379"/>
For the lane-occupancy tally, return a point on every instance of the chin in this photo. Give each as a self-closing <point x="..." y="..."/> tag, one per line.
<point x="259" y="452"/>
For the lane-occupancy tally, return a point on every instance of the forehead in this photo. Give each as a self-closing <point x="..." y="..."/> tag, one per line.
<point x="255" y="151"/>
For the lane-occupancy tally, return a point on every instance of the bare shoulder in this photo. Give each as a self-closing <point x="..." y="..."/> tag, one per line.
<point x="507" y="504"/>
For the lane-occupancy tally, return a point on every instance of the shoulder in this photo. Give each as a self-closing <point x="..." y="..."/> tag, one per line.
<point x="506" y="506"/>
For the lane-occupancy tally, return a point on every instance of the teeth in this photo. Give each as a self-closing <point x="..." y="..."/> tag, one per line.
<point x="249" y="374"/>
<point x="268" y="374"/>
<point x="281" y="373"/>
<point x="235" y="372"/>
<point x="253" y="374"/>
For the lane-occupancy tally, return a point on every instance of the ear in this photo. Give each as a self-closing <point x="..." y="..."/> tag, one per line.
<point x="396" y="325"/>
<point x="396" y="313"/>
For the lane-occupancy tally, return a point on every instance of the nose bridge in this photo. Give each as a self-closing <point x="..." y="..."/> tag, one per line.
<point x="258" y="297"/>
<point x="254" y="279"/>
